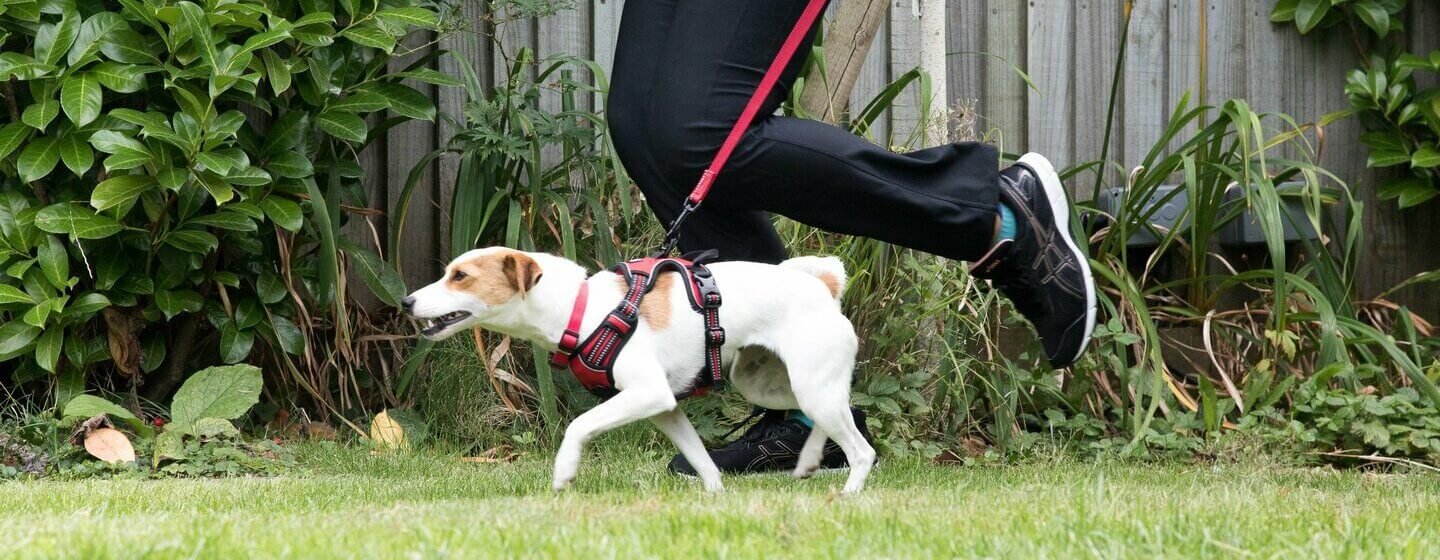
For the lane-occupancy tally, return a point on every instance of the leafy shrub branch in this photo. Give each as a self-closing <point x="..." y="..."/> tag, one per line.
<point x="172" y="176"/>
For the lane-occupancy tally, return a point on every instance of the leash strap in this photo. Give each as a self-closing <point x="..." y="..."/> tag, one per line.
<point x="752" y="109"/>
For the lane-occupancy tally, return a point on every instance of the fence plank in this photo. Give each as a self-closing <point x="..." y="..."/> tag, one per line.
<point x="904" y="56"/>
<point x="605" y="26"/>
<point x="1005" y="92"/>
<point x="1097" y="43"/>
<point x="421" y="257"/>
<point x="965" y="38"/>
<point x="1225" y="68"/>
<point x="873" y="77"/>
<point x="1185" y="61"/>
<point x="1051" y="64"/>
<point x="1146" y="80"/>
<point x="469" y="46"/>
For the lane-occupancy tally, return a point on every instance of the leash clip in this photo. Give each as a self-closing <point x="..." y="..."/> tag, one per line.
<point x="672" y="236"/>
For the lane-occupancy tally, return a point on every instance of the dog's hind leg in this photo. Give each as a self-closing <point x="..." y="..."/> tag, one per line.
<point x="821" y="366"/>
<point x="678" y="428"/>
<point x="811" y="454"/>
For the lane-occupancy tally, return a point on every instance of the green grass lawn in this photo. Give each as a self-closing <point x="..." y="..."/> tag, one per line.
<point x="345" y="504"/>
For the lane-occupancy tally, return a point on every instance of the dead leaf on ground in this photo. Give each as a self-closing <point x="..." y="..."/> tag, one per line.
<point x="109" y="445"/>
<point x="388" y="433"/>
<point x="501" y="454"/>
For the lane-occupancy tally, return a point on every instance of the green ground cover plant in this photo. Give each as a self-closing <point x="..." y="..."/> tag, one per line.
<point x="199" y="438"/>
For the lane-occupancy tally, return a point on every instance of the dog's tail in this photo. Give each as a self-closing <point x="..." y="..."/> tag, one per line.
<point x="829" y="270"/>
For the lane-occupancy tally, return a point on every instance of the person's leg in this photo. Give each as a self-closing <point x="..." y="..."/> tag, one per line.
<point x="684" y="72"/>
<point x="738" y="233"/>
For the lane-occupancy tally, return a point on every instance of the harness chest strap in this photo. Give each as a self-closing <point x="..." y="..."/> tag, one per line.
<point x="592" y="360"/>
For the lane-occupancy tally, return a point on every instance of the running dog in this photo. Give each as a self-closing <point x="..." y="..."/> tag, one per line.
<point x="791" y="310"/>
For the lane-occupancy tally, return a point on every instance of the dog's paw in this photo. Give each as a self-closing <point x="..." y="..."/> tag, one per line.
<point x="803" y="472"/>
<point x="560" y="484"/>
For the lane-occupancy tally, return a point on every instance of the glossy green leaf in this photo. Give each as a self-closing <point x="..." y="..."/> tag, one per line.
<point x="76" y="154"/>
<point x="92" y="32"/>
<point x="118" y="77"/>
<point x="360" y="102"/>
<point x="344" y="126"/>
<point x="192" y="240"/>
<point x="284" y="212"/>
<point x="76" y="221"/>
<point x="405" y="101"/>
<point x="81" y="98"/>
<point x="380" y="277"/>
<point x="47" y="349"/>
<point x="417" y="17"/>
<point x="38" y="159"/>
<point x="53" y="41"/>
<point x="11" y="137"/>
<point x="125" y="45"/>
<point x="16" y="338"/>
<point x="290" y="165"/>
<point x="291" y="340"/>
<point x="175" y="302"/>
<point x="54" y="261"/>
<point x="120" y="190"/>
<point x="370" y="35"/>
<point x="39" y="113"/>
<point x="227" y="220"/>
<point x="10" y="294"/>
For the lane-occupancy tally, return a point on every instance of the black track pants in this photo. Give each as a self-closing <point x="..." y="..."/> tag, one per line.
<point x="684" y="70"/>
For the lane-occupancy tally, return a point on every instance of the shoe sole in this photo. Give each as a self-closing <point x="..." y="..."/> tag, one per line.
<point x="784" y="473"/>
<point x="1060" y="210"/>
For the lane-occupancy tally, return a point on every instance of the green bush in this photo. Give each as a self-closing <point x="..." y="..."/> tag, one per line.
<point x="172" y="170"/>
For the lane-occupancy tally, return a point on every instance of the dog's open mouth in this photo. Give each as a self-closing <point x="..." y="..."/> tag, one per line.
<point x="434" y="325"/>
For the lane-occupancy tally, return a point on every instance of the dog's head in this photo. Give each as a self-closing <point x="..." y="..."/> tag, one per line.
<point x="477" y="287"/>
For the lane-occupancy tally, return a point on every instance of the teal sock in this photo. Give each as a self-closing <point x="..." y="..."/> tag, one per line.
<point x="802" y="418"/>
<point x="1007" y="223"/>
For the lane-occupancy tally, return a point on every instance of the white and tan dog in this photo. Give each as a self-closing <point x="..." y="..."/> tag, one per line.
<point x="791" y="310"/>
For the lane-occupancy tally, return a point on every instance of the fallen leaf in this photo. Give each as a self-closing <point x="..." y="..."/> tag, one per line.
<point x="386" y="432"/>
<point x="109" y="445"/>
<point x="501" y="454"/>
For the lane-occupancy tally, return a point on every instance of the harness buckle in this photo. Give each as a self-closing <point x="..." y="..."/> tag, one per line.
<point x="715" y="336"/>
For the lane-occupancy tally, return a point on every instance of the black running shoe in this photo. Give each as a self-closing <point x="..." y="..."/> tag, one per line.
<point x="770" y="445"/>
<point x="1043" y="271"/>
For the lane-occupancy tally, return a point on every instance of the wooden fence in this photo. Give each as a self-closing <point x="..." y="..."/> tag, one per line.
<point x="1213" y="49"/>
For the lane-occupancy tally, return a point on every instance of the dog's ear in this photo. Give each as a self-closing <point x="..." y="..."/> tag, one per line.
<point x="522" y="272"/>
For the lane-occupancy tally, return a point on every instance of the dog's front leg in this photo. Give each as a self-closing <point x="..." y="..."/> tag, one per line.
<point x="678" y="428"/>
<point x="628" y="406"/>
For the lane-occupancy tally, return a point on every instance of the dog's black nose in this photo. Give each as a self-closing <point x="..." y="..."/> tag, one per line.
<point x="408" y="303"/>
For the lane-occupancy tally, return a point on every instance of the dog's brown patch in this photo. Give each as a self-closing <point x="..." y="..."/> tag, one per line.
<point x="655" y="307"/>
<point x="495" y="278"/>
<point x="831" y="283"/>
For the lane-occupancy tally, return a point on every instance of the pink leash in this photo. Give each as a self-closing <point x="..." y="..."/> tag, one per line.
<point x="752" y="109"/>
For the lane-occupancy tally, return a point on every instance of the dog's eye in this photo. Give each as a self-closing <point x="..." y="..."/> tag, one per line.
<point x="458" y="276"/>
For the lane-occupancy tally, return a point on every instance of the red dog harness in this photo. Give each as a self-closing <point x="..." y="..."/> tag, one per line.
<point x="593" y="360"/>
